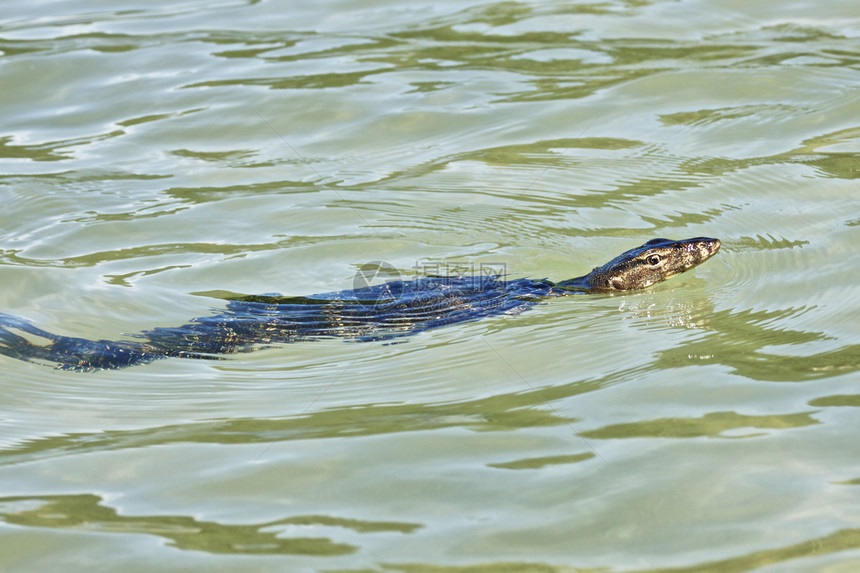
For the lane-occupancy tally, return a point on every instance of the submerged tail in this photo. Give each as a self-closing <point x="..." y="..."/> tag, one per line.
<point x="33" y="344"/>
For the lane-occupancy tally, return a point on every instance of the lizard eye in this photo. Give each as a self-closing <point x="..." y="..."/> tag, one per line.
<point x="654" y="260"/>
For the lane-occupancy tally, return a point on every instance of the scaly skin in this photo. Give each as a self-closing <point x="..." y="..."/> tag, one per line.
<point x="394" y="309"/>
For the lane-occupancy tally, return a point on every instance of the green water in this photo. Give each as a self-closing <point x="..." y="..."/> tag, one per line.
<point x="154" y="151"/>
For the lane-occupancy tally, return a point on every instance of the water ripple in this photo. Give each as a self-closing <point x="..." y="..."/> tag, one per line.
<point x="149" y="152"/>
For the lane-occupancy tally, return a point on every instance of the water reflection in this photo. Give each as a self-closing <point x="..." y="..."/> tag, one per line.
<point x="88" y="512"/>
<point x="713" y="424"/>
<point x="504" y="412"/>
<point x="538" y="133"/>
<point x="738" y="339"/>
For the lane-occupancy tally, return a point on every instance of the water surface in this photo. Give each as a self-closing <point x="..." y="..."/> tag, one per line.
<point x="152" y="154"/>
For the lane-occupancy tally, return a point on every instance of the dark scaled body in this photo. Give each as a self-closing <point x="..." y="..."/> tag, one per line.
<point x="381" y="312"/>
